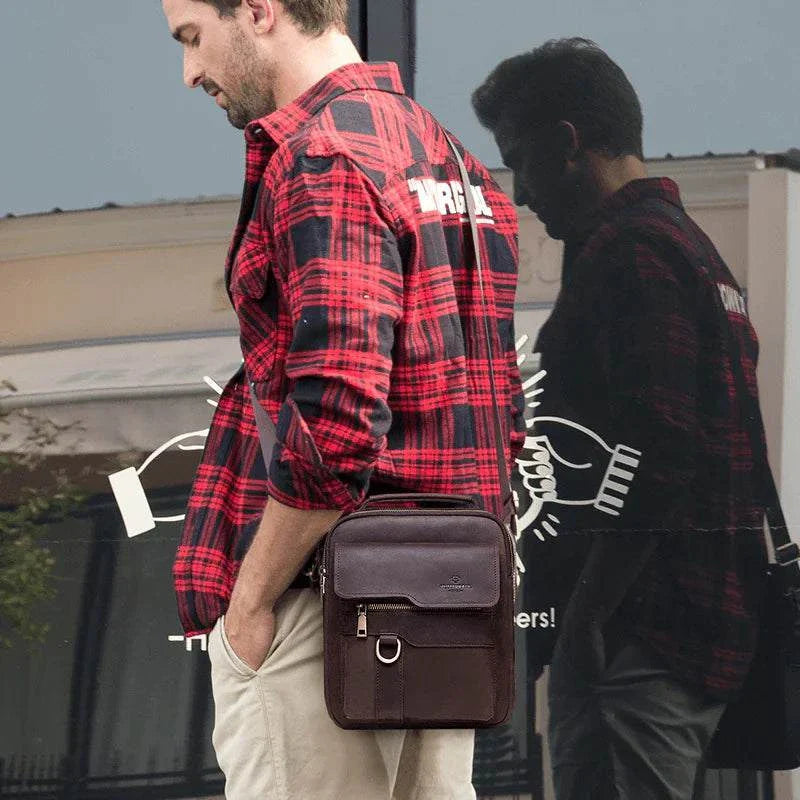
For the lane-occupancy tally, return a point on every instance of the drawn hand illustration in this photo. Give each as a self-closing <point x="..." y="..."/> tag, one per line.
<point x="568" y="464"/>
<point x="126" y="484"/>
<point x="538" y="478"/>
<point x="565" y="463"/>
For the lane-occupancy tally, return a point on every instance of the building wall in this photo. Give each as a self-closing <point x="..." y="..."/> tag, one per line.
<point x="113" y="273"/>
<point x="157" y="269"/>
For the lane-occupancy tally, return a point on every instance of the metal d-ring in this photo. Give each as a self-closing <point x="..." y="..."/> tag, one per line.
<point x="383" y="658"/>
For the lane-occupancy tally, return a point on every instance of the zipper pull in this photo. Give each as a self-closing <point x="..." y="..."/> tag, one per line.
<point x="361" y="628"/>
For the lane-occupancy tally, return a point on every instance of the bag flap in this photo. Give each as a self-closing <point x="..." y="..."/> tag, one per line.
<point x="430" y="575"/>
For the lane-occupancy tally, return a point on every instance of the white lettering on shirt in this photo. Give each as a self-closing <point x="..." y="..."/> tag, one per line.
<point x="447" y="197"/>
<point x="731" y="299"/>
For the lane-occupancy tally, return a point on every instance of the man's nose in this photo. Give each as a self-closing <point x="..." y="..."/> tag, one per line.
<point x="521" y="195"/>
<point x="192" y="74"/>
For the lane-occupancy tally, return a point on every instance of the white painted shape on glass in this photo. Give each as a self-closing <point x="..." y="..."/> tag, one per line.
<point x="132" y="502"/>
<point x="202" y="638"/>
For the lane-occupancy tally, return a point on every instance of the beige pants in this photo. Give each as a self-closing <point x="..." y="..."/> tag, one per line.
<point x="275" y="741"/>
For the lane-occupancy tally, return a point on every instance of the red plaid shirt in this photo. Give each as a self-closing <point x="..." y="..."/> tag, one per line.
<point x="637" y="351"/>
<point x="361" y="324"/>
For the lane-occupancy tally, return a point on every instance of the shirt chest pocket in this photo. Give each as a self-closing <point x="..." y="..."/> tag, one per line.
<point x="250" y="271"/>
<point x="255" y="297"/>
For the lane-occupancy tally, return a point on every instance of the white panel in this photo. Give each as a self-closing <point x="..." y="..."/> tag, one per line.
<point x="117" y="369"/>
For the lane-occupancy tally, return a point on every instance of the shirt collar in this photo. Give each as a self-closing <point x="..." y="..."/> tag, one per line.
<point x="630" y="194"/>
<point x="382" y="76"/>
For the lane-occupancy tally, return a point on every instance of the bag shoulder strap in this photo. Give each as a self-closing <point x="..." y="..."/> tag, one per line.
<point x="506" y="492"/>
<point x="266" y="427"/>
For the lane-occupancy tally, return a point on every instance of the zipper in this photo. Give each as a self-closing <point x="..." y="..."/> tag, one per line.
<point x="363" y="608"/>
<point x="361" y="625"/>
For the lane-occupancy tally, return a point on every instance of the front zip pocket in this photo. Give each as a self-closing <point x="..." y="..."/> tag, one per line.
<point x="363" y="609"/>
<point x="405" y="663"/>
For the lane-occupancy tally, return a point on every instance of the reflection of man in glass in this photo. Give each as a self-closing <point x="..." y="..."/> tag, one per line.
<point x="661" y="626"/>
<point x="362" y="334"/>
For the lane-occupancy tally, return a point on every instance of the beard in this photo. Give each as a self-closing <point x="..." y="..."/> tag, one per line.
<point x="574" y="200"/>
<point x="251" y="103"/>
<point x="251" y="81"/>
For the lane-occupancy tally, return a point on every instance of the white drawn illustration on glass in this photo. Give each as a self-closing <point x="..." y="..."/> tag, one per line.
<point x="189" y="641"/>
<point x="539" y="463"/>
<point x="127" y="485"/>
<point x="542" y="466"/>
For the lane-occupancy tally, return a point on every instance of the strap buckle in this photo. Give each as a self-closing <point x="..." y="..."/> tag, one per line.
<point x="787" y="554"/>
<point x="387" y="639"/>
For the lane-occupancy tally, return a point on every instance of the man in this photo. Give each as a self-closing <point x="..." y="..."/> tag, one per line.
<point x="661" y="626"/>
<point x="360" y="321"/>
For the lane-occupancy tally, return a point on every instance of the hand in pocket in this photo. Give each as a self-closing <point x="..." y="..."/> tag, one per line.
<point x="250" y="634"/>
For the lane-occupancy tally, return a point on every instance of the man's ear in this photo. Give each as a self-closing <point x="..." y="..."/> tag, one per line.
<point x="568" y="140"/>
<point x="262" y="14"/>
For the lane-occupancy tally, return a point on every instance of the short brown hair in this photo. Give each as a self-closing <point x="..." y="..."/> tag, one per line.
<point x="570" y="79"/>
<point x="313" y="17"/>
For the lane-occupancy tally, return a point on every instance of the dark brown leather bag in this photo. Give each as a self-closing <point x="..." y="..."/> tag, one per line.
<point x="418" y="601"/>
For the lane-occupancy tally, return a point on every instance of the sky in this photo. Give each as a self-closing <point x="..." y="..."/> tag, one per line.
<point x="712" y="75"/>
<point x="94" y="109"/>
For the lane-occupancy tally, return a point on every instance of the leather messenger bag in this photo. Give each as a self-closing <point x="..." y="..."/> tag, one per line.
<point x="418" y="600"/>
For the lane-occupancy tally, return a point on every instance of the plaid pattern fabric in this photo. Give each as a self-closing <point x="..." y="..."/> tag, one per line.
<point x="637" y="350"/>
<point x="361" y="324"/>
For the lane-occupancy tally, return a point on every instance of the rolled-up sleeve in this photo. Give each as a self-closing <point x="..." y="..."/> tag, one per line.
<point x="340" y="275"/>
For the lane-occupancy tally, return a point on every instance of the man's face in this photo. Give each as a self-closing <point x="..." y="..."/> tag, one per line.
<point x="220" y="54"/>
<point x="545" y="180"/>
